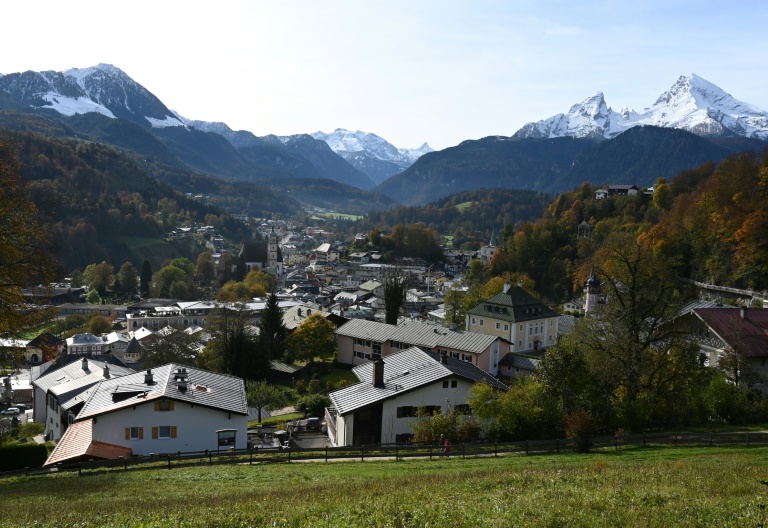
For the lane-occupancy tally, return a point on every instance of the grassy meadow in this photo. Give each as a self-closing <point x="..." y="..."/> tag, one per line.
<point x="637" y="486"/>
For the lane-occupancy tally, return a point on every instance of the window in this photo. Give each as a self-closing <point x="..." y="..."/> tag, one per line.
<point x="473" y="320"/>
<point x="481" y="322"/>
<point x="134" y="433"/>
<point x="164" y="432"/>
<point x="362" y="355"/>
<point x="376" y="349"/>
<point x="164" y="405"/>
<point x="445" y="384"/>
<point x="467" y="358"/>
<point x="406" y="411"/>
<point x="506" y="328"/>
<point x="520" y="344"/>
<point x="455" y="355"/>
<point x="454" y="384"/>
<point x="498" y="325"/>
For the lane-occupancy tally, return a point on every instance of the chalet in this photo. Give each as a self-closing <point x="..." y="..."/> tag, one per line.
<point x="616" y="190"/>
<point x="381" y="406"/>
<point x="164" y="410"/>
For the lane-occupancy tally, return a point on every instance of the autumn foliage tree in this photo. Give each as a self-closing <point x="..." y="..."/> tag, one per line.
<point x="25" y="257"/>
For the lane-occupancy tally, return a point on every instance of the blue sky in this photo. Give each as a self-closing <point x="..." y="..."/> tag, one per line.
<point x="410" y="71"/>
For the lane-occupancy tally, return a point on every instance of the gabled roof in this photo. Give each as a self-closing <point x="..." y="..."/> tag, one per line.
<point x="515" y="305"/>
<point x="74" y="371"/>
<point x="204" y="388"/>
<point x="739" y="328"/>
<point x="520" y="361"/>
<point x="77" y="442"/>
<point x="419" y="333"/>
<point x="46" y="338"/>
<point x="404" y="371"/>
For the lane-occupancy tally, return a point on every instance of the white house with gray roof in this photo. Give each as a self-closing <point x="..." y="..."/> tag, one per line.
<point x="56" y="392"/>
<point x="382" y="406"/>
<point x="163" y="410"/>
<point x="360" y="340"/>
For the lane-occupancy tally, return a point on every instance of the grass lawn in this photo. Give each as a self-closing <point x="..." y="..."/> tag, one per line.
<point x="638" y="486"/>
<point x="463" y="205"/>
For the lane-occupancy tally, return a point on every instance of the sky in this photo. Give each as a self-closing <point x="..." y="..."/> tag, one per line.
<point x="410" y="71"/>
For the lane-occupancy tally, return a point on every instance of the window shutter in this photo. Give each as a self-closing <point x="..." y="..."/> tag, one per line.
<point x="127" y="433"/>
<point x="154" y="433"/>
<point x="157" y="406"/>
<point x="171" y="406"/>
<point x="173" y="430"/>
<point x="141" y="433"/>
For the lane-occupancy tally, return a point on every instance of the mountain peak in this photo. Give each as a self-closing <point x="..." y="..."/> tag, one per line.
<point x="692" y="103"/>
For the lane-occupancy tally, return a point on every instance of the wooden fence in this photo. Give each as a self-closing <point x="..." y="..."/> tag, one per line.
<point x="394" y="451"/>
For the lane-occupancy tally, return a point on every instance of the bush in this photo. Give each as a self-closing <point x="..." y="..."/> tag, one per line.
<point x="313" y="405"/>
<point x="314" y="386"/>
<point x="30" y="429"/>
<point x="581" y="426"/>
<point x="300" y="386"/>
<point x="21" y="456"/>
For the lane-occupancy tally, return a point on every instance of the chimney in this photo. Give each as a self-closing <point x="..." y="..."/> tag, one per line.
<point x="148" y="379"/>
<point x="744" y="313"/>
<point x="106" y="370"/>
<point x="85" y="363"/>
<point x="444" y="357"/>
<point x="506" y="287"/>
<point x="378" y="372"/>
<point x="181" y="379"/>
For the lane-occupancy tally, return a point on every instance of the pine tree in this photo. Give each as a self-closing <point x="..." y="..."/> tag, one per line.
<point x="146" y="277"/>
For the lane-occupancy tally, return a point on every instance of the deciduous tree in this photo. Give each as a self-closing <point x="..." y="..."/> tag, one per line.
<point x="314" y="338"/>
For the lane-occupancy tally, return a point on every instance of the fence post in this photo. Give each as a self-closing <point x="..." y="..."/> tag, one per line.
<point x="747" y="437"/>
<point x="643" y="437"/>
<point x="396" y="452"/>
<point x="710" y="439"/>
<point x="526" y="447"/>
<point x="496" y="448"/>
<point x="362" y="452"/>
<point x="326" y="454"/>
<point x="430" y="451"/>
<point x="169" y="461"/>
<point x="557" y="445"/>
<point x="80" y="469"/>
<point x="289" y="453"/>
<point x="675" y="438"/>
<point x="250" y="455"/>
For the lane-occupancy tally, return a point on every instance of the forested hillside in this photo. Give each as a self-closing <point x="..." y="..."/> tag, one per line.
<point x="104" y="208"/>
<point x="709" y="224"/>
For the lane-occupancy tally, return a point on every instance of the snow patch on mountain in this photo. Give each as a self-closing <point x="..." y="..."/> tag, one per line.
<point x="692" y="104"/>
<point x="347" y="143"/>
<point x="164" y="123"/>
<point x="70" y="106"/>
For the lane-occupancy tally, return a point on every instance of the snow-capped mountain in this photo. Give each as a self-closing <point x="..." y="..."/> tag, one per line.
<point x="103" y="89"/>
<point x="692" y="104"/>
<point x="370" y="153"/>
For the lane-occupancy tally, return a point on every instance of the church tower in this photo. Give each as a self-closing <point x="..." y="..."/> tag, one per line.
<point x="594" y="300"/>
<point x="273" y="253"/>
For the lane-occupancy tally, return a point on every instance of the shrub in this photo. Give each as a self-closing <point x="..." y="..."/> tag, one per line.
<point x="581" y="426"/>
<point x="300" y="386"/>
<point x="314" y="386"/>
<point x="21" y="456"/>
<point x="313" y="404"/>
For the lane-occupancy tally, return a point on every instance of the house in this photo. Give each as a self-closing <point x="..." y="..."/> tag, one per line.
<point x="486" y="252"/>
<point x="518" y="365"/>
<point x="83" y="344"/>
<point x="614" y="190"/>
<point x="164" y="410"/>
<point x="381" y="406"/>
<point x="360" y="340"/>
<point x="517" y="316"/>
<point x="55" y="393"/>
<point x="722" y="330"/>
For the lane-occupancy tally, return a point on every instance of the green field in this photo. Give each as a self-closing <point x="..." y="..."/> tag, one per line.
<point x="336" y="216"/>
<point x="642" y="486"/>
<point x="463" y="205"/>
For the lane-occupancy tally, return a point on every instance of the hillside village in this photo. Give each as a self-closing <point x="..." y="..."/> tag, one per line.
<point x="82" y="387"/>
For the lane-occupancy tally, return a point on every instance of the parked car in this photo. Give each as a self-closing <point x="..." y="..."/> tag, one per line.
<point x="22" y="406"/>
<point x="11" y="410"/>
<point x="313" y="424"/>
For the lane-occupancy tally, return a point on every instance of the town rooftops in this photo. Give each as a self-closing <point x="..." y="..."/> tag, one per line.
<point x="418" y="333"/>
<point x="171" y="381"/>
<point x="404" y="371"/>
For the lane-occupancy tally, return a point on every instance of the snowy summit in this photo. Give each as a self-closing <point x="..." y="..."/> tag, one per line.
<point x="692" y="104"/>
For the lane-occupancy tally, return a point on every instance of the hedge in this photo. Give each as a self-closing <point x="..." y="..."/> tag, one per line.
<point x="22" y="456"/>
